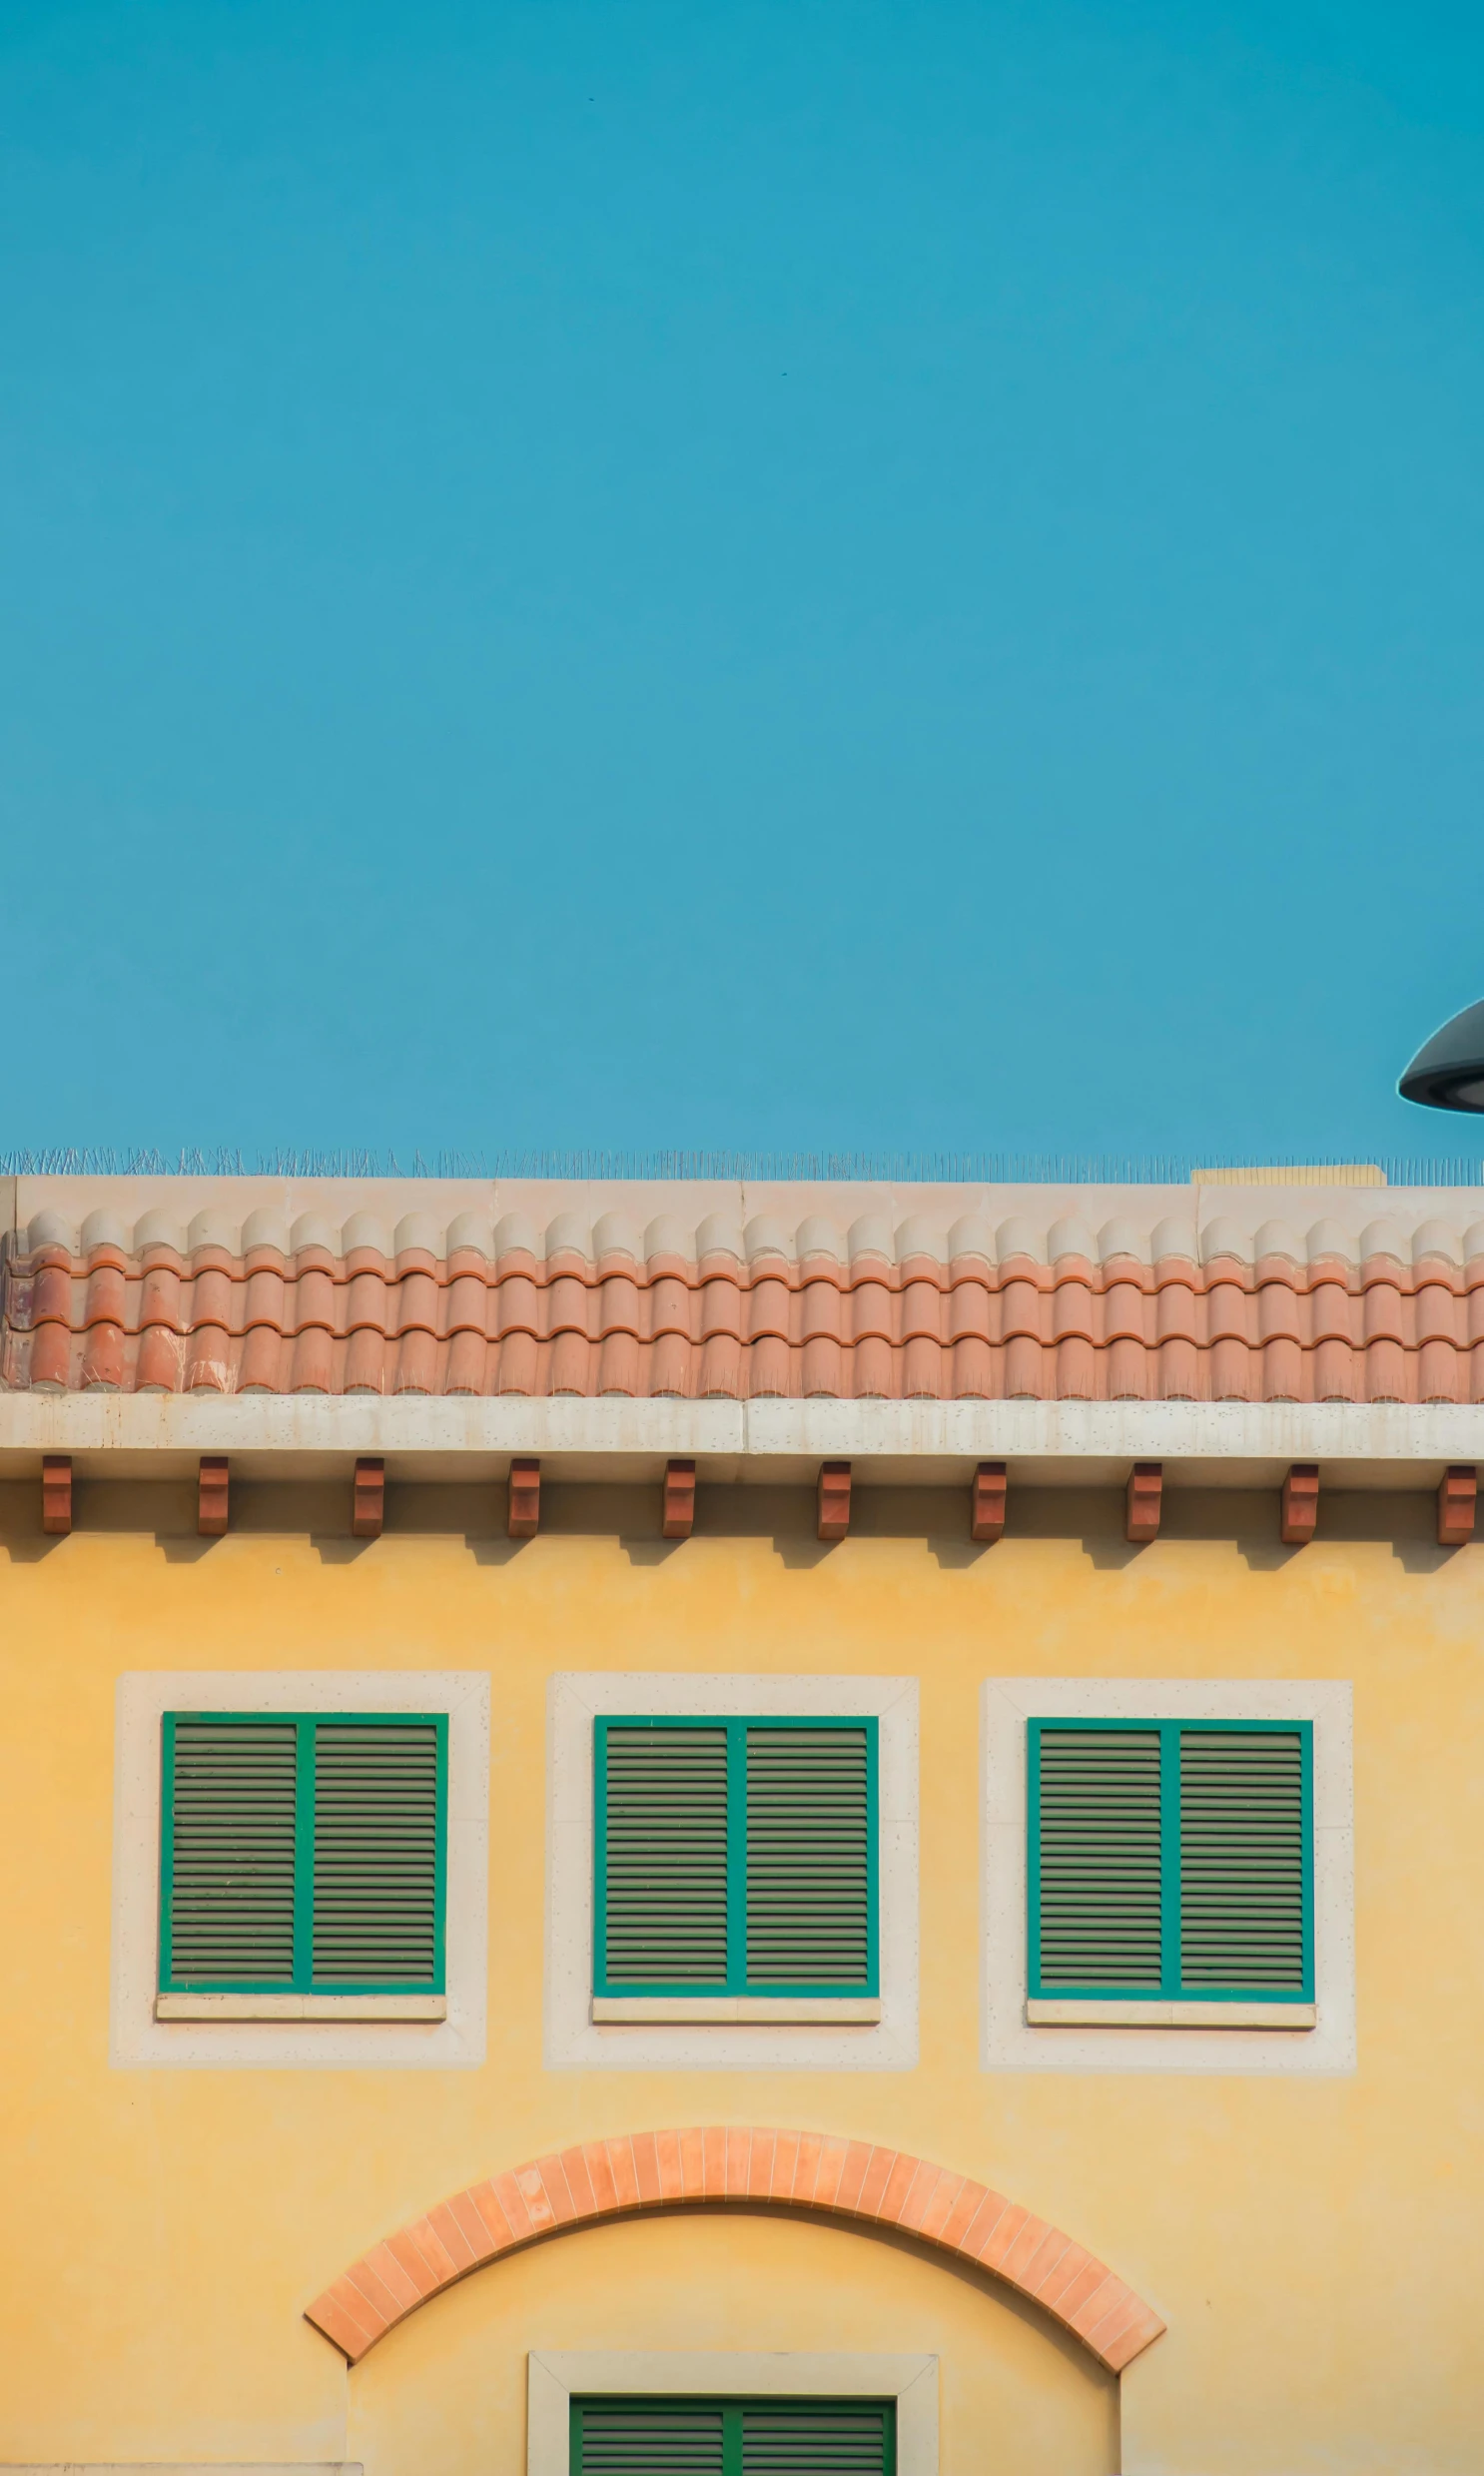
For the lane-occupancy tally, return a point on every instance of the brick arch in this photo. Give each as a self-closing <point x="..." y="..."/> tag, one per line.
<point x="876" y="2189"/>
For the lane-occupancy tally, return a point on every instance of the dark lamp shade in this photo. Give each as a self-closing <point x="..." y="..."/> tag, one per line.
<point x="1448" y="1073"/>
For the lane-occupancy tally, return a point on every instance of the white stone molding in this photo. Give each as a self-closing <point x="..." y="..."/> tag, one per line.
<point x="555" y="2379"/>
<point x="136" y="2035"/>
<point x="572" y="2035"/>
<point x="1011" y="2041"/>
<point x="432" y="1438"/>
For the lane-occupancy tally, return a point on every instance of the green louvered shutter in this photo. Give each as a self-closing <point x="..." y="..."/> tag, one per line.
<point x="1242" y="1859"/>
<point x="232" y="1821"/>
<point x="808" y="1858"/>
<point x="666" y="1857"/>
<point x="375" y="1854"/>
<point x="733" y="2437"/>
<point x="619" y="2437"/>
<point x="836" y="2438"/>
<point x="1099" y="1858"/>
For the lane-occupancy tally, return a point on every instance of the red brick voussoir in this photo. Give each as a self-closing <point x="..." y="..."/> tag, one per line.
<point x="879" y="2190"/>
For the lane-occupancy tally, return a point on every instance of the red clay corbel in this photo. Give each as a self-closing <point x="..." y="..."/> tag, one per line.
<point x="369" y="1500"/>
<point x="987" y="1501"/>
<point x="525" y="1499"/>
<point x="1458" y="1499"/>
<point x="1142" y="1508"/>
<point x="833" y="1499"/>
<point x="680" y="1500"/>
<point x="1301" y="1503"/>
<point x="56" y="1494"/>
<point x="211" y="1499"/>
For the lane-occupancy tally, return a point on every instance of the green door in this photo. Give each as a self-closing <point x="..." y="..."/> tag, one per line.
<point x="733" y="2437"/>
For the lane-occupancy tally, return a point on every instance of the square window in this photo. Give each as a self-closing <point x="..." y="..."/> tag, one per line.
<point x="301" y="1868"/>
<point x="731" y="1872"/>
<point x="1169" y="1874"/>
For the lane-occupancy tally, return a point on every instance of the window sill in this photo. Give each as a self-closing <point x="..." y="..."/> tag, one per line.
<point x="839" y="2011"/>
<point x="300" y="2007"/>
<point x="1078" y="2012"/>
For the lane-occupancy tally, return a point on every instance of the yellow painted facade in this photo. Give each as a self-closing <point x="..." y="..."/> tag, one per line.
<point x="1312" y="2242"/>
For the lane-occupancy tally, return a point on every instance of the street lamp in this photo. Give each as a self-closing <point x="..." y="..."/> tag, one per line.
<point x="1448" y="1071"/>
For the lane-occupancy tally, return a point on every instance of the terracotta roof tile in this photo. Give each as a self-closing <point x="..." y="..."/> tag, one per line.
<point x="1099" y="1295"/>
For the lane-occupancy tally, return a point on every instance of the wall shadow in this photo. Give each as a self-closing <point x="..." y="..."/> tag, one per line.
<point x="1403" y="1521"/>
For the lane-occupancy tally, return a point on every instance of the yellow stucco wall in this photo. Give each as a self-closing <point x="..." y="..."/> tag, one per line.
<point x="1314" y="2242"/>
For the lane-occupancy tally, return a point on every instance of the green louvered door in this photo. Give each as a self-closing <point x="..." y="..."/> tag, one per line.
<point x="665" y="1837"/>
<point x="375" y="1854"/>
<point x="1241" y="1860"/>
<point x="808" y="1858"/>
<point x="732" y="2437"/>
<point x="1099" y="1859"/>
<point x="232" y="1822"/>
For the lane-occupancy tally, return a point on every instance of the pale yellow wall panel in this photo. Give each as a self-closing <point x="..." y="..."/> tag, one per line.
<point x="447" y="2389"/>
<point x="1312" y="2244"/>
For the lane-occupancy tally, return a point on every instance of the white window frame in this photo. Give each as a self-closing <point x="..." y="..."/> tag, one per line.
<point x="555" y="2379"/>
<point x="1150" y="2041"/>
<point x="333" y="2031"/>
<point x="648" y="2033"/>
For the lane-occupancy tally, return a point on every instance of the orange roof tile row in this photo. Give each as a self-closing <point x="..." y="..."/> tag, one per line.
<point x="971" y="1314"/>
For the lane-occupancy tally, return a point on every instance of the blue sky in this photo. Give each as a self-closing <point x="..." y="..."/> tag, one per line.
<point x="747" y="576"/>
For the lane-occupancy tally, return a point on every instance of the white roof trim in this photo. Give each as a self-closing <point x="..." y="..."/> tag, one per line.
<point x="889" y="1443"/>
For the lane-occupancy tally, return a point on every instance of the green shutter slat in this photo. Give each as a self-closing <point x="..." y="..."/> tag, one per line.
<point x="1242" y="1859"/>
<point x="375" y="1854"/>
<point x="232" y="1824"/>
<point x="1100" y="1859"/>
<point x="666" y="1856"/>
<point x="618" y="2439"/>
<point x="836" y="2439"/>
<point x="808" y="1856"/>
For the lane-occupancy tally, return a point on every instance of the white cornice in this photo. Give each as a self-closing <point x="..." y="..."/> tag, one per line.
<point x="889" y="1443"/>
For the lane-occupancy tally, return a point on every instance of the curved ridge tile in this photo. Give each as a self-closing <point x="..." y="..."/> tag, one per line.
<point x="1224" y="1237"/>
<point x="515" y="1235"/>
<point x="917" y="1236"/>
<point x="1071" y="1237"/>
<point x="1276" y="1238"/>
<point x="870" y="1235"/>
<point x="1434" y="1239"/>
<point x="971" y="1236"/>
<point x="667" y="1235"/>
<point x="471" y="1234"/>
<point x="720" y="1234"/>
<point x="1118" y="1239"/>
<point x="308" y="1232"/>
<point x="818" y="1236"/>
<point x="1174" y="1241"/>
<point x="1327" y="1240"/>
<point x="765" y="1236"/>
<point x="1018" y="1236"/>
